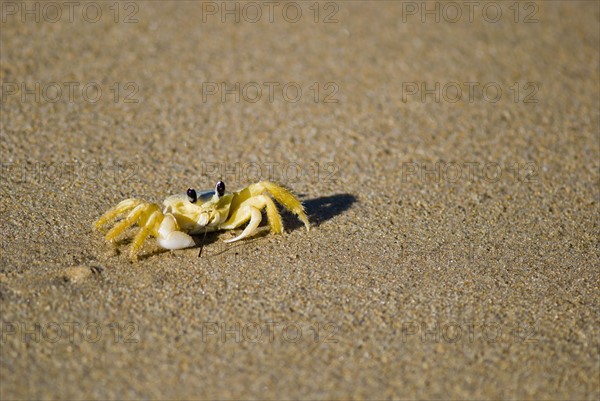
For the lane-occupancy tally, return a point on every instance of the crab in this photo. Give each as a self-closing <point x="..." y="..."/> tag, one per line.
<point x="194" y="213"/>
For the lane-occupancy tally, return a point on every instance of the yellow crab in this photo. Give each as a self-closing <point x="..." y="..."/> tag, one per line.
<point x="196" y="213"/>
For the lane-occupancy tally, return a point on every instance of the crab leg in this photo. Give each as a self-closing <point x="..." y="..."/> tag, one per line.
<point x="273" y="215"/>
<point x="145" y="231"/>
<point x="248" y="203"/>
<point x="131" y="218"/>
<point x="255" y="219"/>
<point x="123" y="207"/>
<point x="283" y="196"/>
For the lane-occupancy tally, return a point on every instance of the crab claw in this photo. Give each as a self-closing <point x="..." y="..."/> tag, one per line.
<point x="169" y="236"/>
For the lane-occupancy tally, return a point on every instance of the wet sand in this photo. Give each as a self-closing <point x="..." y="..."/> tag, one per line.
<point x="450" y="171"/>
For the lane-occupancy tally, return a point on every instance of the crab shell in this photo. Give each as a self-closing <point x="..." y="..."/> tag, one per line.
<point x="206" y="214"/>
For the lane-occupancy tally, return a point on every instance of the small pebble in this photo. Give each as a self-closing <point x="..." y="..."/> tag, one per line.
<point x="76" y="274"/>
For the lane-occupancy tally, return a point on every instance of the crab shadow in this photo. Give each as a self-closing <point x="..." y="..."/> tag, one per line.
<point x="319" y="210"/>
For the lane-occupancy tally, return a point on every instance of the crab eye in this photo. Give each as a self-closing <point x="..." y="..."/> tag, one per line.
<point x="191" y="194"/>
<point x="220" y="188"/>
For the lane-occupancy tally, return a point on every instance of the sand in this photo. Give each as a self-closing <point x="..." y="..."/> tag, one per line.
<point x="450" y="169"/>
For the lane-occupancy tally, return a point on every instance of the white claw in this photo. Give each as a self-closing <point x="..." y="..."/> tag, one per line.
<point x="167" y="226"/>
<point x="176" y="240"/>
<point x="169" y="236"/>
